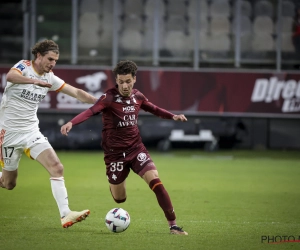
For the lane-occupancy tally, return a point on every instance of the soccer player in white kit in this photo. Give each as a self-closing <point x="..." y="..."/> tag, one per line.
<point x="27" y="84"/>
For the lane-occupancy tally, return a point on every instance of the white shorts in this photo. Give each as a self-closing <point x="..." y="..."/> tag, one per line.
<point x="13" y="144"/>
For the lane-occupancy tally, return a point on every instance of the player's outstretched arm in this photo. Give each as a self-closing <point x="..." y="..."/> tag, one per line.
<point x="14" y="76"/>
<point x="79" y="94"/>
<point x="65" y="129"/>
<point x="180" y="117"/>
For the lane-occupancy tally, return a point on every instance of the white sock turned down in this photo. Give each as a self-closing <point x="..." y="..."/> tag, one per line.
<point x="60" y="194"/>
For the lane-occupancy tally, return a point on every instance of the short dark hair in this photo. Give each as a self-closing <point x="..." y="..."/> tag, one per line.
<point x="125" y="67"/>
<point x="43" y="47"/>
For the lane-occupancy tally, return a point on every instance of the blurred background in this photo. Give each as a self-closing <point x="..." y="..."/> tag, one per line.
<point x="231" y="66"/>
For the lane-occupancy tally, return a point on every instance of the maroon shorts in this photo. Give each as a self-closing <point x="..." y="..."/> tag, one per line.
<point x="118" y="165"/>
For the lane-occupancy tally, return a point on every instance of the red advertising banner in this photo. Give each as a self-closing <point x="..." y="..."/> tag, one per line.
<point x="191" y="92"/>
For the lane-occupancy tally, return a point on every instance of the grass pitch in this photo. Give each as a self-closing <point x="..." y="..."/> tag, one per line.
<point x="224" y="200"/>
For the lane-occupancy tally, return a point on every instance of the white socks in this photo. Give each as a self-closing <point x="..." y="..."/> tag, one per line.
<point x="0" y="174"/>
<point x="60" y="194"/>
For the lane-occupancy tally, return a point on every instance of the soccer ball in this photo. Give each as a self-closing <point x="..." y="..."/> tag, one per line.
<point x="117" y="220"/>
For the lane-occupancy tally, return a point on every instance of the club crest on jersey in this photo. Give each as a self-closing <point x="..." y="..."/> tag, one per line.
<point x="119" y="99"/>
<point x="20" y="67"/>
<point x="142" y="157"/>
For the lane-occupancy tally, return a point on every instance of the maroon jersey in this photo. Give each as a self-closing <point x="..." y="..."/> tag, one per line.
<point x="119" y="116"/>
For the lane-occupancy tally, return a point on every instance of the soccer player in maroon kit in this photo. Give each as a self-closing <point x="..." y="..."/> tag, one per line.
<point x="121" y="140"/>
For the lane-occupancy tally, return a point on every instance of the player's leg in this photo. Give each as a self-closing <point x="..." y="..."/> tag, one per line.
<point x="49" y="159"/>
<point x="152" y="179"/>
<point x="11" y="151"/>
<point x="118" y="192"/>
<point x="8" y="179"/>
<point x="117" y="170"/>
<point x="41" y="150"/>
<point x="143" y="165"/>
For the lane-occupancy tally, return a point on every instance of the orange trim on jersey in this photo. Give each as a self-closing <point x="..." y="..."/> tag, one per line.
<point x="27" y="62"/>
<point x="159" y="183"/>
<point x="2" y="133"/>
<point x="17" y="70"/>
<point x="62" y="86"/>
<point x="35" y="70"/>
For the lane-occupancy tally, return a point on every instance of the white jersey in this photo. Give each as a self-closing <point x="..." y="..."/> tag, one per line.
<point x="18" y="109"/>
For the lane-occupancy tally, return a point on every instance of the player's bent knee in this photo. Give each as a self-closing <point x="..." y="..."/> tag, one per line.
<point x="58" y="169"/>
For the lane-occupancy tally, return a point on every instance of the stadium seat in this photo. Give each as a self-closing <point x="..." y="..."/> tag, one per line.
<point x="90" y="6"/>
<point x="203" y="41"/>
<point x="131" y="40"/>
<point x="245" y="41"/>
<point x="287" y="43"/>
<point x="106" y="39"/>
<point x="220" y="25"/>
<point x="150" y="6"/>
<point x="148" y="40"/>
<point x="132" y="22"/>
<point x="287" y="24"/>
<point x="263" y="42"/>
<point x="149" y="25"/>
<point x="263" y="25"/>
<point x="107" y="19"/>
<point x="263" y="8"/>
<point x="192" y="9"/>
<point x="288" y="9"/>
<point x="89" y="21"/>
<point x="89" y="30"/>
<point x="246" y="8"/>
<point x="245" y="24"/>
<point x="203" y="25"/>
<point x="176" y="8"/>
<point x="178" y="43"/>
<point x="88" y="39"/>
<point x="220" y="8"/>
<point x="218" y="42"/>
<point x="176" y="23"/>
<point x="133" y="8"/>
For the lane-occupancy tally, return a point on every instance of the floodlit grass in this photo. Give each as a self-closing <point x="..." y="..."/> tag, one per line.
<point x="224" y="200"/>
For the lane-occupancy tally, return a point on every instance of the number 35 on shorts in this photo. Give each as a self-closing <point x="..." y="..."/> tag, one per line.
<point x="116" y="166"/>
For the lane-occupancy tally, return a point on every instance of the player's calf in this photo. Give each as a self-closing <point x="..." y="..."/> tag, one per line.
<point x="117" y="200"/>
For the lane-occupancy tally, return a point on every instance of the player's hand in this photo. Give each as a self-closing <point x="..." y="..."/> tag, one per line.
<point x="65" y="129"/>
<point x="42" y="84"/>
<point x="179" y="118"/>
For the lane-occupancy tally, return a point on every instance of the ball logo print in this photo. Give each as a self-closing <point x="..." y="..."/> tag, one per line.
<point x="117" y="220"/>
<point x="141" y="156"/>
